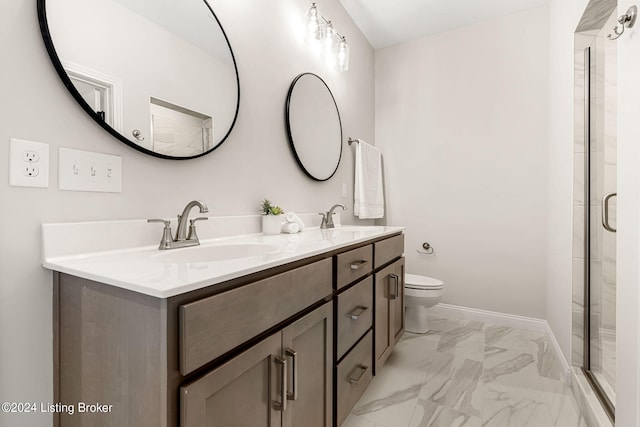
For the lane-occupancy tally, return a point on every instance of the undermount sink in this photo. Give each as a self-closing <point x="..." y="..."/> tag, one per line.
<point x="213" y="253"/>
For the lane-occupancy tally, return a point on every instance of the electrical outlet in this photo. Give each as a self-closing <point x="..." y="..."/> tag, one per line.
<point x="28" y="163"/>
<point x="344" y="190"/>
<point x="31" y="170"/>
<point x="31" y="156"/>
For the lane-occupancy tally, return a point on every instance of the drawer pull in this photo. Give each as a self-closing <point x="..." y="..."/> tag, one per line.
<point x="282" y="405"/>
<point x="396" y="286"/>
<point x="362" y="368"/>
<point x="357" y="264"/>
<point x="293" y="395"/>
<point x="357" y="312"/>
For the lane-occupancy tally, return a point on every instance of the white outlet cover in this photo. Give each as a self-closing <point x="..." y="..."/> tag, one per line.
<point x="24" y="173"/>
<point x="88" y="171"/>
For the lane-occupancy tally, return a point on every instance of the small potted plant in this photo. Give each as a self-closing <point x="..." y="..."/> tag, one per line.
<point x="271" y="217"/>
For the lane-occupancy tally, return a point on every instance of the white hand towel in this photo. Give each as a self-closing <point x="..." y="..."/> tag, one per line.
<point x="293" y="218"/>
<point x="368" y="197"/>
<point x="290" y="227"/>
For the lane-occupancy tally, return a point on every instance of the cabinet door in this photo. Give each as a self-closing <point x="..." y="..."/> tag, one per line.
<point x="397" y="303"/>
<point x="389" y="315"/>
<point x="244" y="392"/>
<point x="308" y="350"/>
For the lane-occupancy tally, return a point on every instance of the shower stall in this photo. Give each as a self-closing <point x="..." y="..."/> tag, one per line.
<point x="595" y="198"/>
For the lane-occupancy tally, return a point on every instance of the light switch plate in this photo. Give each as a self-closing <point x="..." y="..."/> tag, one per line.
<point x="87" y="171"/>
<point x="28" y="163"/>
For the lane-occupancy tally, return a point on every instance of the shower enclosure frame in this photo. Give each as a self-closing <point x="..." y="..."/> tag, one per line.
<point x="607" y="404"/>
<point x="595" y="158"/>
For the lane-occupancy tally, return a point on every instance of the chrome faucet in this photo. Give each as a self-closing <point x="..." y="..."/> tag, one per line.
<point x="182" y="239"/>
<point x="327" y="217"/>
<point x="181" y="233"/>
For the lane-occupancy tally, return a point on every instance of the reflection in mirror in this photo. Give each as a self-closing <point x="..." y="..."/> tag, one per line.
<point x="313" y="126"/>
<point x="159" y="75"/>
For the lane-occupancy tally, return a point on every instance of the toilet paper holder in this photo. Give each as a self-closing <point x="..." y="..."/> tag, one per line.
<point x="428" y="249"/>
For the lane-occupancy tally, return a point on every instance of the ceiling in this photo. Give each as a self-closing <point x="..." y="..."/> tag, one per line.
<point x="386" y="23"/>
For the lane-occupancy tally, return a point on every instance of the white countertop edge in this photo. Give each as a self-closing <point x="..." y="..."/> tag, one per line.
<point x="59" y="264"/>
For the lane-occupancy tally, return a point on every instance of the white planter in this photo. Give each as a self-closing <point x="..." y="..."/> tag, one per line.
<point x="271" y="224"/>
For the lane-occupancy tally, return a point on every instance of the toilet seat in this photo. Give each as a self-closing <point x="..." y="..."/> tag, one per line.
<point x="413" y="281"/>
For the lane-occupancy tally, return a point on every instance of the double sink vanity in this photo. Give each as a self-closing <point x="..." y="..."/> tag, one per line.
<point x="246" y="330"/>
<point x="239" y="329"/>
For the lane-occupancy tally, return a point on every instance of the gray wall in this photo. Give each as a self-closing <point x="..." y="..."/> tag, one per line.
<point x="254" y="163"/>
<point x="461" y="122"/>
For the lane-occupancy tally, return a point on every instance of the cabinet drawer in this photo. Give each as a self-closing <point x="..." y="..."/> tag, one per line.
<point x="354" y="309"/>
<point x="212" y="326"/>
<point x="353" y="265"/>
<point x="388" y="249"/>
<point x="353" y="377"/>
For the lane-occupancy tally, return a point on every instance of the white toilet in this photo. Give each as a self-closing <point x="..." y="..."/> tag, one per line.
<point x="420" y="292"/>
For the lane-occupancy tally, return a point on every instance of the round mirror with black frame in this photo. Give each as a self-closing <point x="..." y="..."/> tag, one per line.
<point x="313" y="126"/>
<point x="159" y="76"/>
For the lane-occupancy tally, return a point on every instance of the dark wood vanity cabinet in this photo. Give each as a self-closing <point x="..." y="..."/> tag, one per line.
<point x="220" y="355"/>
<point x="171" y="362"/>
<point x="285" y="380"/>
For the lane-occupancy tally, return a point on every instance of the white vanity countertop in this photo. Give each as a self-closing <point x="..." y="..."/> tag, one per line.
<point x="163" y="274"/>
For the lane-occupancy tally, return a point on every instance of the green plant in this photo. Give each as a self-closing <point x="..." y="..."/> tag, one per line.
<point x="266" y="208"/>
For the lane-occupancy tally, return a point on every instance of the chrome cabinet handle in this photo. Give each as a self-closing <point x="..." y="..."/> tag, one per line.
<point x="357" y="264"/>
<point x="605" y="212"/>
<point x="362" y="368"/>
<point x="396" y="286"/>
<point x="293" y="395"/>
<point x="357" y="312"/>
<point x="282" y="405"/>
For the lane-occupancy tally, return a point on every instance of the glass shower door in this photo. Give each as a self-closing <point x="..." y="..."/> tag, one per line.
<point x="601" y="195"/>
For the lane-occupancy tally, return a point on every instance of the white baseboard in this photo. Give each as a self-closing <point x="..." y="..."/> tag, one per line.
<point x="566" y="368"/>
<point x="521" y="322"/>
<point x="504" y="319"/>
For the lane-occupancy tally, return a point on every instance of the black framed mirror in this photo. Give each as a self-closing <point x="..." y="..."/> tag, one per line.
<point x="159" y="75"/>
<point x="313" y="126"/>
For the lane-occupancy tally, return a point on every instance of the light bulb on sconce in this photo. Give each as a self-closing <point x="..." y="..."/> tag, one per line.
<point x="342" y="56"/>
<point x="314" y="32"/>
<point x="329" y="44"/>
<point x="324" y="38"/>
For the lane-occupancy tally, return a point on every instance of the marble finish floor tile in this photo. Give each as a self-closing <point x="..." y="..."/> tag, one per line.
<point x="414" y="351"/>
<point x="464" y="339"/>
<point x="454" y="382"/>
<point x="468" y="373"/>
<point x="391" y="397"/>
<point x="512" y="371"/>
<point x="507" y="409"/>
<point x="358" y="421"/>
<point x="430" y="414"/>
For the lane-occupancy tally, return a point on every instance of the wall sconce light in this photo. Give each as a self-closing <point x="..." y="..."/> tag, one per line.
<point x="314" y="33"/>
<point x="343" y="55"/>
<point x="322" y="36"/>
